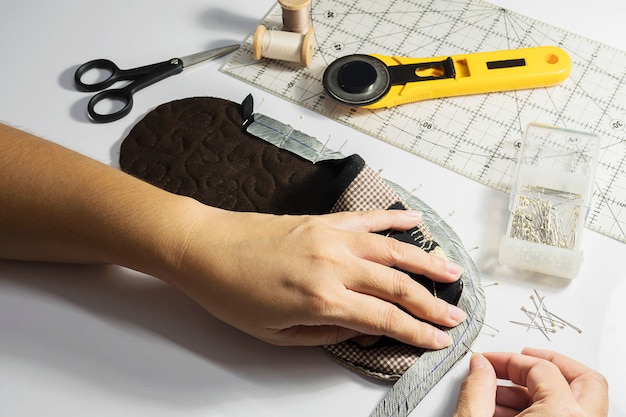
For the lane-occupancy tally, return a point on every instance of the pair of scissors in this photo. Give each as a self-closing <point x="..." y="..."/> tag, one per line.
<point x="141" y="77"/>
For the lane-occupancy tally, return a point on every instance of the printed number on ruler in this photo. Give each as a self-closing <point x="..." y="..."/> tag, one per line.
<point x="476" y="136"/>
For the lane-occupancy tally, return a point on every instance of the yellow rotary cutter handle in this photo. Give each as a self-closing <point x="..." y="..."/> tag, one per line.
<point x="376" y="81"/>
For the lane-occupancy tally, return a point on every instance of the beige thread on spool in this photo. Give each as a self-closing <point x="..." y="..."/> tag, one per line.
<point x="284" y="46"/>
<point x="296" y="15"/>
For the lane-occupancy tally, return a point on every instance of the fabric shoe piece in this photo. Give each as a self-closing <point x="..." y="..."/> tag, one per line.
<point x="202" y="147"/>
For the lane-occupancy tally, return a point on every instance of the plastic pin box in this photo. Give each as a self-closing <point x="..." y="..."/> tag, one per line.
<point x="550" y="200"/>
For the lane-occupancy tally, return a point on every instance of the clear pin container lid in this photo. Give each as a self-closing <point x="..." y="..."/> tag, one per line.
<point x="550" y="199"/>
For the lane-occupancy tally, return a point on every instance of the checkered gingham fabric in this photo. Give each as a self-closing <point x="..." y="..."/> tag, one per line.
<point x="368" y="191"/>
<point x="386" y="362"/>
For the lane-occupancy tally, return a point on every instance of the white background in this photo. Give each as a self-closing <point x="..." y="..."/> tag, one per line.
<point x="104" y="341"/>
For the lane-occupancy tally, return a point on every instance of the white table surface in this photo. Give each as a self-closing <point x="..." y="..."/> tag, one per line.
<point x="105" y="341"/>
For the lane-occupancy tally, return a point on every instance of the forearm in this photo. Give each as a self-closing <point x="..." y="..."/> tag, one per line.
<point x="58" y="205"/>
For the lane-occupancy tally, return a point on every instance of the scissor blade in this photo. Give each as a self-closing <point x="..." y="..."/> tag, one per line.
<point x="208" y="55"/>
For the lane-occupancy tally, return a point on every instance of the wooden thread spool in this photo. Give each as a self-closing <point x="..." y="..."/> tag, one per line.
<point x="284" y="46"/>
<point x="296" y="15"/>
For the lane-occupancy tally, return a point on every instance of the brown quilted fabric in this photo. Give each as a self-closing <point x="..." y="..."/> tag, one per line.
<point x="197" y="147"/>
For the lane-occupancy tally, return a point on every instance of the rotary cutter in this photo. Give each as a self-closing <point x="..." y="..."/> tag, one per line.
<point x="376" y="81"/>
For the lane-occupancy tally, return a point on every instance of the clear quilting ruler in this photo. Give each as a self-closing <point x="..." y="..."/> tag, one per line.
<point x="476" y="136"/>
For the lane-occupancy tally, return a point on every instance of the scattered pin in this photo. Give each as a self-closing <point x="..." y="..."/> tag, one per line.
<point x="539" y="308"/>
<point x="566" y="323"/>
<point x="341" y="147"/>
<point x="548" y="322"/>
<point x="293" y="128"/>
<point x="488" y="325"/>
<point x="532" y="323"/>
<point x="520" y="323"/>
<point x="532" y="320"/>
<point x="323" y="149"/>
<point x="450" y="214"/>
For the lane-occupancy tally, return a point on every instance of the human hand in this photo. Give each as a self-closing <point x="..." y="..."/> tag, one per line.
<point x="548" y="385"/>
<point x="313" y="280"/>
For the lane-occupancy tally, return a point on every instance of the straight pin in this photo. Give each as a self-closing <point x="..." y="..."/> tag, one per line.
<point x="566" y="322"/>
<point x="341" y="147"/>
<point x="553" y="321"/>
<point x="323" y="149"/>
<point x="488" y="325"/>
<point x="536" y="313"/>
<point x="532" y="322"/>
<point x="545" y="309"/>
<point x="290" y="132"/>
<point x="450" y="214"/>
<point x="538" y="307"/>
<point x="543" y="319"/>
<point x="519" y="323"/>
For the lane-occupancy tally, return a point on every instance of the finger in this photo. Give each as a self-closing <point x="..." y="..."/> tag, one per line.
<point x="505" y="412"/>
<point x="370" y="315"/>
<point x="570" y="368"/>
<point x="514" y="398"/>
<point x="395" y="253"/>
<point x="544" y="380"/>
<point x="397" y="287"/>
<point x="377" y="220"/>
<point x="478" y="392"/>
<point x="391" y="252"/>
<point x="589" y="387"/>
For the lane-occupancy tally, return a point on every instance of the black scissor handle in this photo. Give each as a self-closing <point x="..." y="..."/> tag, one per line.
<point x="141" y="77"/>
<point x="99" y="64"/>
<point x="123" y="95"/>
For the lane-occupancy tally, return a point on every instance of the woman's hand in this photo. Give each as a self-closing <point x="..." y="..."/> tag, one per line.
<point x="311" y="280"/>
<point x="548" y="384"/>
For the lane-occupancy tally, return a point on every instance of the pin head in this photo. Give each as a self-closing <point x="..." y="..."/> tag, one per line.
<point x="357" y="80"/>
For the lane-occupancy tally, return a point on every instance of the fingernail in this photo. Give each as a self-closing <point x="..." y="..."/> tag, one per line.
<point x="442" y="338"/>
<point x="454" y="269"/>
<point x="456" y="314"/>
<point x="477" y="361"/>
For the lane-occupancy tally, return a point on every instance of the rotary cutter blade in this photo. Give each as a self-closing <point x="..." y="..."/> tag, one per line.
<point x="375" y="81"/>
